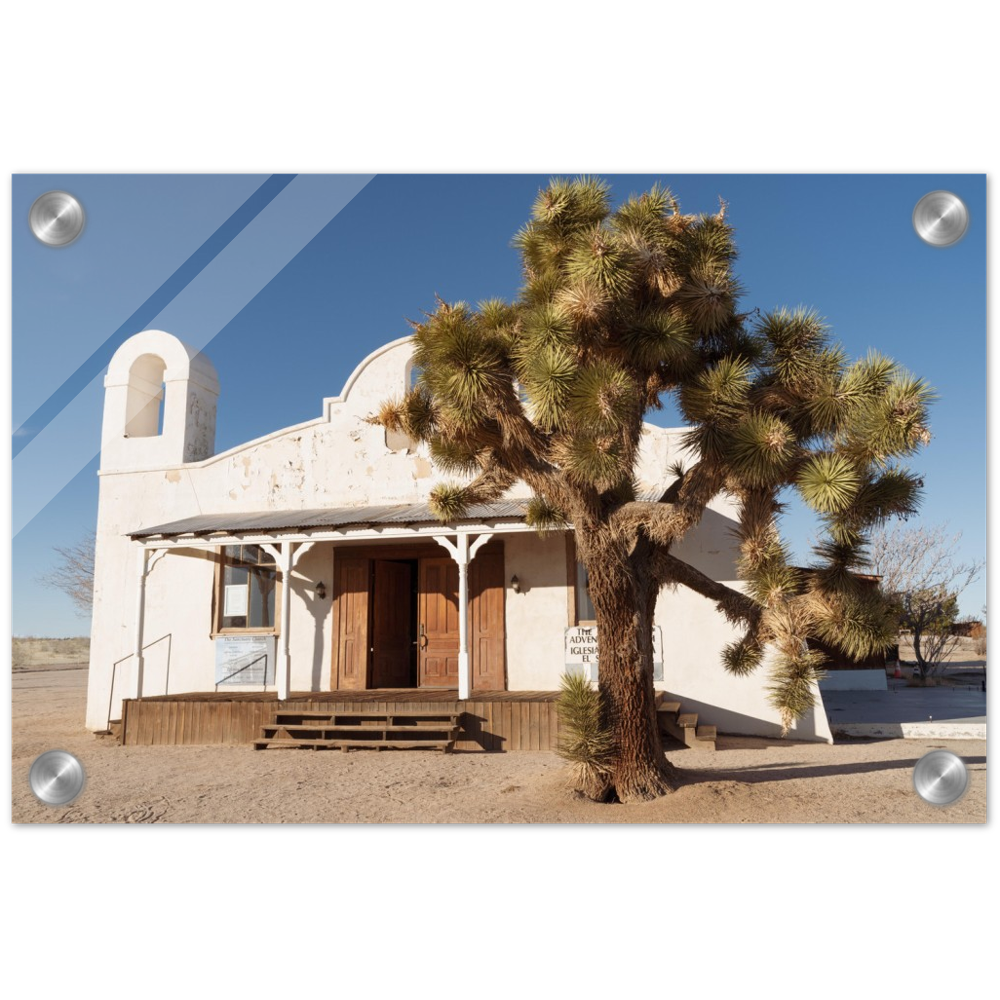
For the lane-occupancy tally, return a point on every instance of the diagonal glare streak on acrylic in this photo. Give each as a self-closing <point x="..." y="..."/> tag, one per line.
<point x="70" y="439"/>
<point x="162" y="297"/>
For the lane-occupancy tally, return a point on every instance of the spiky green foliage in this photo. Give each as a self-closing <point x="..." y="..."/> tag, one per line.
<point x="772" y="580"/>
<point x="858" y="623"/>
<point x="451" y="456"/>
<point x="762" y="449"/>
<point x="742" y="657"/>
<point x="548" y="378"/>
<point x="584" y="740"/>
<point x="621" y="308"/>
<point x="449" y="501"/>
<point x="792" y="689"/>
<point x="828" y="483"/>
<point x="660" y="337"/>
<point x="543" y="516"/>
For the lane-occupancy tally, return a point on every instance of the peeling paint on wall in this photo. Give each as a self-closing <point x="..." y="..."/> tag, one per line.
<point x="398" y="441"/>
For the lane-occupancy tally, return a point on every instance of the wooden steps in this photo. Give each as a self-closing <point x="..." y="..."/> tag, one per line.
<point x="364" y="729"/>
<point x="683" y="726"/>
<point x="346" y="745"/>
<point x="114" y="729"/>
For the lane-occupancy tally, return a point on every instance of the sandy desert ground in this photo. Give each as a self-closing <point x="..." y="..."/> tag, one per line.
<point x="745" y="781"/>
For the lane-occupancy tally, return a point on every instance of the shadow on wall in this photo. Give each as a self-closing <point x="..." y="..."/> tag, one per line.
<point x="711" y="547"/>
<point x="319" y="608"/>
<point x="739" y="724"/>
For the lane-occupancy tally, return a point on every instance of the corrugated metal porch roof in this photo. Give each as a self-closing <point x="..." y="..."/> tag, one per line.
<point x="328" y="517"/>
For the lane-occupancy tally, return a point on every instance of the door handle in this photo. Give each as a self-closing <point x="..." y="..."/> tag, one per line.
<point x="423" y="637"/>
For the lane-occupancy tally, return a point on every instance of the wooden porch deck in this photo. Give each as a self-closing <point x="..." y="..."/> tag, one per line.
<point x="490" y="720"/>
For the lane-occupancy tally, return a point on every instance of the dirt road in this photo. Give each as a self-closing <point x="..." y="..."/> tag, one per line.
<point x="745" y="781"/>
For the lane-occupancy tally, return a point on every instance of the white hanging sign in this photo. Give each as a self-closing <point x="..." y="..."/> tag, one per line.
<point x="237" y="600"/>
<point x="581" y="650"/>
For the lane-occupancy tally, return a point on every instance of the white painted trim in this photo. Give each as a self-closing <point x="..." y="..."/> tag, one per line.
<point x="478" y="544"/>
<point x="155" y="556"/>
<point x="272" y="550"/>
<point x="301" y="549"/>
<point x="443" y="541"/>
<point x="356" y="374"/>
<point x="336" y="535"/>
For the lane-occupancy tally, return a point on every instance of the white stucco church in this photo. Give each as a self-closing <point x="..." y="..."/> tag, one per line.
<point x="307" y="562"/>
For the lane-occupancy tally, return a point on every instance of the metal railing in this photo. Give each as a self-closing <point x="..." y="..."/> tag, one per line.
<point x="115" y="665"/>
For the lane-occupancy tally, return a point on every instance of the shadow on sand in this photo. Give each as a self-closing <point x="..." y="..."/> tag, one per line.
<point x="784" y="771"/>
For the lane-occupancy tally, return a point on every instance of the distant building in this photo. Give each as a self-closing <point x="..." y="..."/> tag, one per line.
<point x="969" y="629"/>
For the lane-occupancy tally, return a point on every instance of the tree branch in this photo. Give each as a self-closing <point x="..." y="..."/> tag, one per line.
<point x="672" y="494"/>
<point x="667" y="522"/>
<point x="739" y="608"/>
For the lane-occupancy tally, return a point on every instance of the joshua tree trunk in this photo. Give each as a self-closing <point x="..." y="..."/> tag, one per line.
<point x="624" y="602"/>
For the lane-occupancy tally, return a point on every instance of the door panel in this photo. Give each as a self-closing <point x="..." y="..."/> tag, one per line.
<point x="391" y="639"/>
<point x="487" y="586"/>
<point x="438" y="623"/>
<point x="350" y="602"/>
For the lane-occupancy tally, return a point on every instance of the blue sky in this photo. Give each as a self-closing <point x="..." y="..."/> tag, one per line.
<point x="326" y="268"/>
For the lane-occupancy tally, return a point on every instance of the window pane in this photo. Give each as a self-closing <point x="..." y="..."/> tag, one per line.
<point x="584" y="607"/>
<point x="235" y="576"/>
<point x="262" y="586"/>
<point x="253" y="568"/>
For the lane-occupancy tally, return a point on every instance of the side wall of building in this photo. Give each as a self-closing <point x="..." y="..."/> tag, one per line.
<point x="694" y="635"/>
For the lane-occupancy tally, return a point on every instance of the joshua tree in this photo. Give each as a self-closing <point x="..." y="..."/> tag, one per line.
<point x="620" y="307"/>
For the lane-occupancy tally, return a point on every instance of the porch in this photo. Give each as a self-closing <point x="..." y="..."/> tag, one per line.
<point x="415" y="603"/>
<point x="492" y="721"/>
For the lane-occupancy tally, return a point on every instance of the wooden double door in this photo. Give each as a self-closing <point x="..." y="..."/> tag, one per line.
<point x="396" y="619"/>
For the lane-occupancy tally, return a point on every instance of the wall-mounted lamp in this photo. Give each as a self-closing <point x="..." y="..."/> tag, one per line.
<point x="515" y="585"/>
<point x="321" y="590"/>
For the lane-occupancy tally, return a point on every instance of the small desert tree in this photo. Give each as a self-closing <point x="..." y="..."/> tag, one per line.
<point x="620" y="307"/>
<point x="74" y="574"/>
<point x="923" y="579"/>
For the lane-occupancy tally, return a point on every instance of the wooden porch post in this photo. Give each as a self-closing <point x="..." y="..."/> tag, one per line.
<point x="463" y="554"/>
<point x="286" y="555"/>
<point x="140" y="614"/>
<point x="284" y="664"/>
<point x="464" y="673"/>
